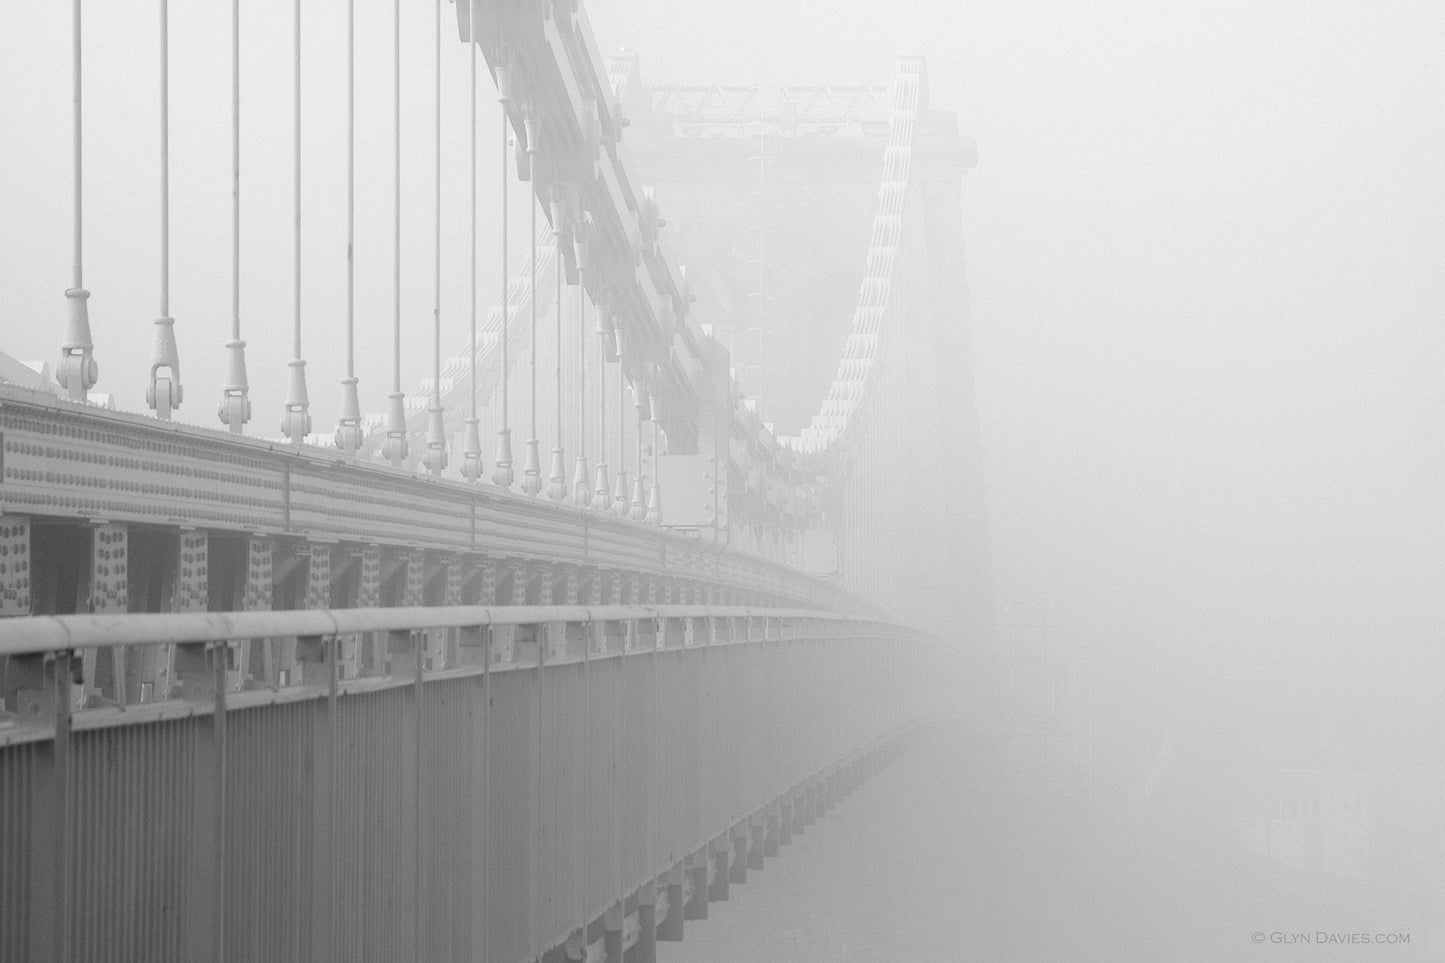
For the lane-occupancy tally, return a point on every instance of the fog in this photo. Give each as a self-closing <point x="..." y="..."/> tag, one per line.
<point x="1204" y="245"/>
<point x="1205" y="248"/>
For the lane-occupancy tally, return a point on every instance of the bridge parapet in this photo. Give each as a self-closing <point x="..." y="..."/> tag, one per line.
<point x="583" y="776"/>
<point x="102" y="511"/>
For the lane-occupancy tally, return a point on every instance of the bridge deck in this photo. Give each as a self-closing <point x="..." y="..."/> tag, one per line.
<point x="60" y="459"/>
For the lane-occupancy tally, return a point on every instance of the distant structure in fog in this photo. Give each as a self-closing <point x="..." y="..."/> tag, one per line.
<point x="769" y="194"/>
<point x="1349" y="808"/>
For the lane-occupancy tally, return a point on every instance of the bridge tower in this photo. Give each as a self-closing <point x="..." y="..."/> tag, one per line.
<point x="777" y="199"/>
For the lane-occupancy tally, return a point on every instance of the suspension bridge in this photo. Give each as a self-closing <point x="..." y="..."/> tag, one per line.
<point x="414" y="686"/>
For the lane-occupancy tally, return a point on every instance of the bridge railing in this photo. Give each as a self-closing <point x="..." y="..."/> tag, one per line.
<point x="577" y="779"/>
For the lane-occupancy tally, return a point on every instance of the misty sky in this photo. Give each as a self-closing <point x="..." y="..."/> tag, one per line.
<point x="1205" y="244"/>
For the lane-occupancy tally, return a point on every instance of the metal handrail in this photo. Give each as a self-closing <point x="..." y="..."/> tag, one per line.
<point x="52" y="633"/>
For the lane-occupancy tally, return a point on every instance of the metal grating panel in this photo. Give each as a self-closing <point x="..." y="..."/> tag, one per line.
<point x="259" y="585"/>
<point x="414" y="592"/>
<point x="318" y="578"/>
<point x="18" y="879"/>
<point x="456" y="577"/>
<point x="489" y="582"/>
<point x="192" y="573"/>
<point x="369" y="593"/>
<point x="109" y="592"/>
<point x="14" y="565"/>
<point x="130" y="830"/>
